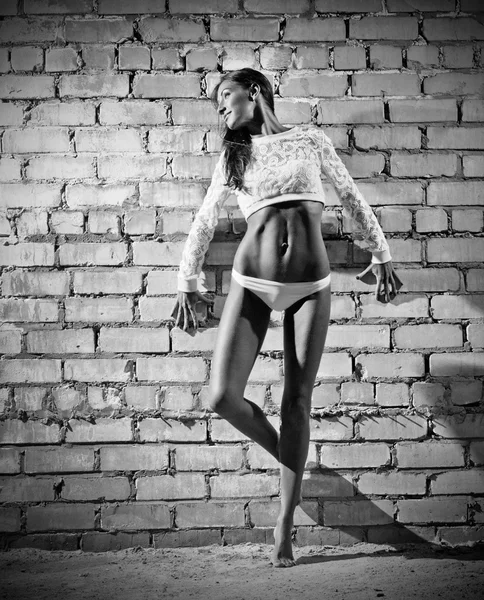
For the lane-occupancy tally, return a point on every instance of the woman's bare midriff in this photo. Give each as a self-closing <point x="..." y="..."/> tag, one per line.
<point x="284" y="243"/>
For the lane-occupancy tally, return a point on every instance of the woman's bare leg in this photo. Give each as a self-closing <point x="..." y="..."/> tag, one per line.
<point x="241" y="332"/>
<point x="305" y="328"/>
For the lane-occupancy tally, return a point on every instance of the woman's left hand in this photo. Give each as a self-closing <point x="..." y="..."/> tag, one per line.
<point x="387" y="281"/>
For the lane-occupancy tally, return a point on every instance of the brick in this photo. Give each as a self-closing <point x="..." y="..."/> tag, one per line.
<point x="30" y="223"/>
<point x="431" y="219"/>
<point x="403" y="306"/>
<point x="9" y="460"/>
<point x="458" y="426"/>
<point x="60" y="517"/>
<point x="273" y="6"/>
<point x="422" y="56"/>
<point x="428" y="336"/>
<point x="473" y="165"/>
<point x="430" y="395"/>
<point x="476" y="449"/>
<point x="10" y="341"/>
<point x="140" y="222"/>
<point x="9" y="519"/>
<point x="129" y="339"/>
<point x="314" y="30"/>
<point x="98" y="310"/>
<point x="27" y="59"/>
<point x="142" y="397"/>
<point x="103" y="430"/>
<point x="31" y="399"/>
<point x="29" y="432"/>
<point x="475" y="335"/>
<point x="222" y="431"/>
<point x="61" y="167"/>
<point x="60" y="60"/>
<point x="358" y="336"/>
<point x="385" y="57"/>
<point x="29" y="310"/>
<point x="249" y="485"/>
<point x="470" y="364"/>
<point x="156" y="309"/>
<point x="146" y="457"/>
<point x="69" y="341"/>
<point x="134" y="58"/>
<point x="87" y="254"/>
<point x="475" y="280"/>
<point x="472" y="110"/>
<point x="135" y="166"/>
<point x="157" y="29"/>
<point x="388" y="84"/>
<point x="104" y="221"/>
<point x="350" y="111"/>
<point x="122" y="7"/>
<point x="458" y="57"/>
<point x="425" y="5"/>
<point x="347" y="6"/>
<point x="98" y="57"/>
<point x="23" y="31"/>
<point x="16" y="87"/>
<point x="331" y="429"/>
<point x="30" y="371"/>
<point x="246" y="29"/>
<point x="81" y="195"/>
<point x="334" y="365"/>
<point x="408" y="138"/>
<point x="392" y="365"/>
<point x="64" y="7"/>
<point x="4" y="60"/>
<point x="357" y="393"/>
<point x="11" y="115"/>
<point x="201" y="59"/>
<point x="403" y="250"/>
<point x="95" y="487"/>
<point x="358" y="512"/>
<point x="297" y="84"/>
<point x="467" y="220"/>
<point x="471" y="5"/>
<point x="59" y="460"/>
<point x="211" y="514"/>
<point x="167" y="194"/>
<point x="453" y="29"/>
<point x="171" y="369"/>
<point x="149" y="515"/>
<point x="275" y="57"/>
<point x="92" y="86"/>
<point x="169" y="487"/>
<point x="395" y="427"/>
<point x="104" y="542"/>
<point x="457" y="307"/>
<point x="179" y="85"/>
<point x="166" y="58"/>
<point x="264" y="513"/>
<point x="9" y="7"/>
<point x="394" y="483"/>
<point x="204" y="458"/>
<point x="349" y="58"/>
<point x="36" y="140"/>
<point x="455" y="250"/>
<point x="455" y="193"/>
<point x="176" y="139"/>
<point x="460" y="535"/>
<point x="466" y="392"/>
<point x="154" y="253"/>
<point x="364" y="164"/>
<point x="108" y="140"/>
<point x="120" y="281"/>
<point x="392" y="394"/>
<point x="457" y="84"/>
<point x="132" y="112"/>
<point x="423" y="164"/>
<point x="395" y="219"/>
<point x="56" y="113"/>
<point x="384" y="28"/>
<point x="193" y="112"/>
<point x="455" y="137"/>
<point x="160" y="430"/>
<point x="433" y="454"/>
<point x="310" y="57"/>
<point x="101" y="369"/>
<point x="422" y="111"/>
<point x="361" y="455"/>
<point x="465" y="481"/>
<point x="432" y="510"/>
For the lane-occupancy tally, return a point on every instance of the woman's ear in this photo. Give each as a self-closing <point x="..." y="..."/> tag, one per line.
<point x="254" y="91"/>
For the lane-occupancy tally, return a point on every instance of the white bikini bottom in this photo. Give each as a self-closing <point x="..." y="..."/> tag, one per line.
<point x="280" y="296"/>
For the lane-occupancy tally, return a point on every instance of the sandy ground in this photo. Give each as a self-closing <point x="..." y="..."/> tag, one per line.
<point x="358" y="572"/>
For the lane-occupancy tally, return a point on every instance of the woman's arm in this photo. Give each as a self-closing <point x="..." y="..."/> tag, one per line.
<point x="196" y="246"/>
<point x="366" y="223"/>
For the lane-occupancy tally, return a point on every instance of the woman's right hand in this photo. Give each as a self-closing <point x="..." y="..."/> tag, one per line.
<point x="185" y="307"/>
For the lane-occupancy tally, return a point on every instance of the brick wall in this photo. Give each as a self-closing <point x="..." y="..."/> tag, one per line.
<point x="108" y="142"/>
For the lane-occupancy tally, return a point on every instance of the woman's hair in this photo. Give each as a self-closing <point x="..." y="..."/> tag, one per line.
<point x="237" y="143"/>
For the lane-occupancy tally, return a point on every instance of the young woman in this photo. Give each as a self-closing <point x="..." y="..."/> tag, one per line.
<point x="281" y="264"/>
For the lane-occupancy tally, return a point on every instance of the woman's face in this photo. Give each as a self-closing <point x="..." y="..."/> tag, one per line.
<point x="234" y="105"/>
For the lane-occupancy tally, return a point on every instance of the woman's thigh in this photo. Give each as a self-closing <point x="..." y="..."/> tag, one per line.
<point x="305" y="329"/>
<point x="241" y="331"/>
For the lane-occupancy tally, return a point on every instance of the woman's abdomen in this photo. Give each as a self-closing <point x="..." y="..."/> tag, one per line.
<point x="284" y="243"/>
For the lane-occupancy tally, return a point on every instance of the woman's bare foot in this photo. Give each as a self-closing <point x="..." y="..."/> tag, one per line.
<point x="282" y="555"/>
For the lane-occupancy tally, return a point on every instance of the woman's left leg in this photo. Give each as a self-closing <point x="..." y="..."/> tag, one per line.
<point x="305" y="328"/>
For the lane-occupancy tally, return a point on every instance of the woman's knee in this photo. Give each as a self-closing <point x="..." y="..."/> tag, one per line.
<point x="296" y="406"/>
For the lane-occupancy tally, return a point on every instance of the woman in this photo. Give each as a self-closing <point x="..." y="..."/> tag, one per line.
<point x="280" y="264"/>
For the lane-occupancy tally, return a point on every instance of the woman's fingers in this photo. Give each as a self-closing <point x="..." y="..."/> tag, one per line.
<point x="194" y="316"/>
<point x="363" y="273"/>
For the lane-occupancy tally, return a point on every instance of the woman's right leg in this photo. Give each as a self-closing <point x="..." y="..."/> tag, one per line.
<point x="242" y="329"/>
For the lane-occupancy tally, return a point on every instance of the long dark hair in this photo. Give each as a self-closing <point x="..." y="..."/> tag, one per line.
<point x="237" y="143"/>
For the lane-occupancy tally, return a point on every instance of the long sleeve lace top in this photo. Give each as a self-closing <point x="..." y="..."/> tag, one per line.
<point x="285" y="166"/>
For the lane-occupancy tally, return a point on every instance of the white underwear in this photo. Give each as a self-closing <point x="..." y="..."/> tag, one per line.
<point x="280" y="296"/>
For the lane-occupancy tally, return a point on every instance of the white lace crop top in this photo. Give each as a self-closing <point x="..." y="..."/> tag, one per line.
<point x="285" y="166"/>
